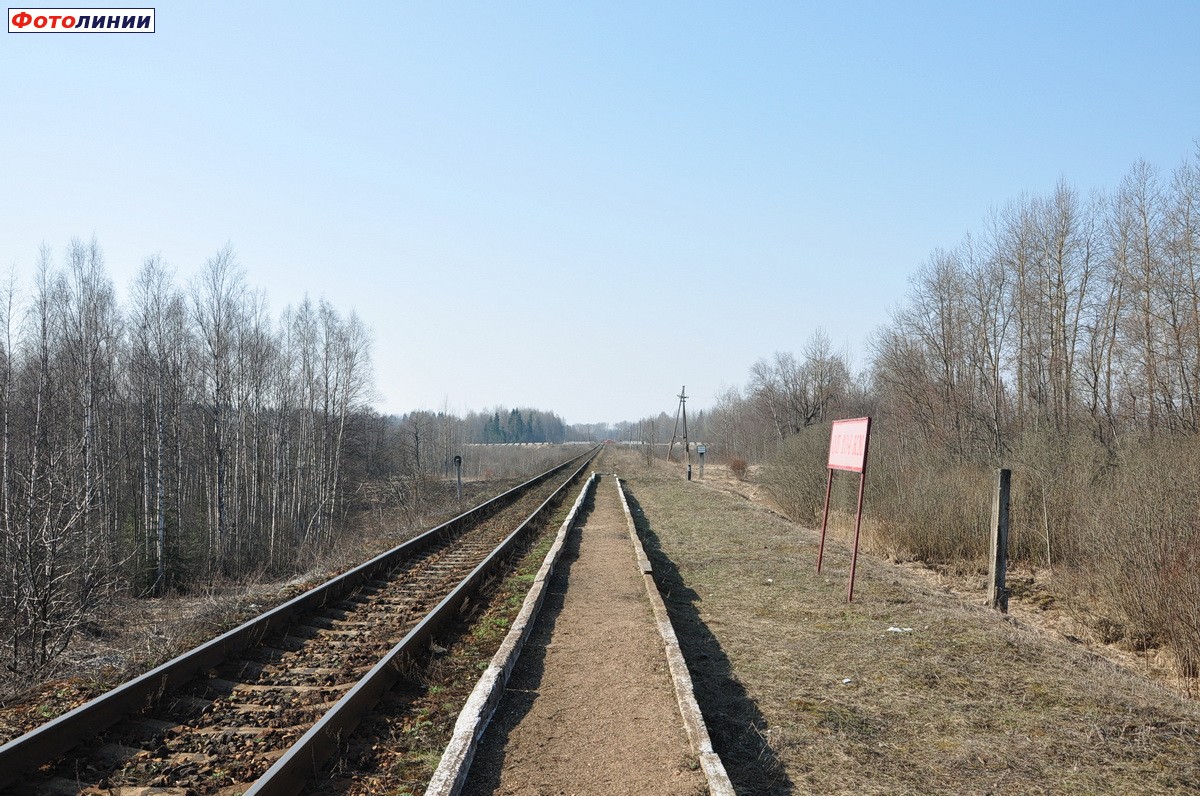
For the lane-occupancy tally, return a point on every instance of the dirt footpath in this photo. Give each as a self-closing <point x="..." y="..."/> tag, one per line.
<point x="590" y="708"/>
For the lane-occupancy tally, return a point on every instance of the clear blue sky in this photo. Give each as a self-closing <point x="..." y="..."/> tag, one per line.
<point x="579" y="206"/>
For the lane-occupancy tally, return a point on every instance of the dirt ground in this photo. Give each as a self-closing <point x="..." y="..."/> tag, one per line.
<point x="590" y="708"/>
<point x="910" y="689"/>
<point x="1049" y="601"/>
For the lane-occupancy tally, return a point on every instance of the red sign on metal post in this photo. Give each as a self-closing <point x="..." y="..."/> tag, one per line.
<point x="848" y="442"/>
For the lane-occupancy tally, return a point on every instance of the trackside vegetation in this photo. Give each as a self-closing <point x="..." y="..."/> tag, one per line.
<point x="1062" y="340"/>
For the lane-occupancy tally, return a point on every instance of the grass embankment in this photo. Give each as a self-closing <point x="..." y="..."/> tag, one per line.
<point x="906" y="690"/>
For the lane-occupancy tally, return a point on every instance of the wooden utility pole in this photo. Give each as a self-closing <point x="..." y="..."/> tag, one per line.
<point x="997" y="596"/>
<point x="681" y="410"/>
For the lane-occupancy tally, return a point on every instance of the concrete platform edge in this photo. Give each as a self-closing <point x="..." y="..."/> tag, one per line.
<point x="693" y="720"/>
<point x="451" y="773"/>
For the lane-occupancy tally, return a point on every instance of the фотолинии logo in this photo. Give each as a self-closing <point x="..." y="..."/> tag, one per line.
<point x="81" y="20"/>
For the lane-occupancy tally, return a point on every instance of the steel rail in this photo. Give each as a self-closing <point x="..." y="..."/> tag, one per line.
<point x="296" y="766"/>
<point x="55" y="738"/>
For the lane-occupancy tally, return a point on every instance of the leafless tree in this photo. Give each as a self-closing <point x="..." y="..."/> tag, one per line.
<point x="793" y="395"/>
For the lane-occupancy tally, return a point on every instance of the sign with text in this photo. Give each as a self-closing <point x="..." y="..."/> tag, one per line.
<point x="848" y="444"/>
<point x="81" y="20"/>
<point x="847" y="451"/>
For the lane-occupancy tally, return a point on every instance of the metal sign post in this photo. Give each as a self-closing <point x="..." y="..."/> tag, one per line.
<point x="700" y="450"/>
<point x="458" y="468"/>
<point x="824" y="518"/>
<point x="848" y="442"/>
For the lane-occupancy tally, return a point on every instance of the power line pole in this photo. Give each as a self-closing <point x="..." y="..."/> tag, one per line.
<point x="681" y="410"/>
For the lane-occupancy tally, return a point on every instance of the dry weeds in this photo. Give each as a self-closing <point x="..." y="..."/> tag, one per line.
<point x="907" y="690"/>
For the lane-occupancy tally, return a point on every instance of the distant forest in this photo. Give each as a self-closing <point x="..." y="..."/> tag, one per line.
<point x="517" y="425"/>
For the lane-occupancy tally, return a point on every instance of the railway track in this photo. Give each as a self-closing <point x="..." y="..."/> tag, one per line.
<point x="258" y="709"/>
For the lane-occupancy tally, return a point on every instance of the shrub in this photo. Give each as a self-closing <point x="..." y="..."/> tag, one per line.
<point x="795" y="474"/>
<point x="1144" y="546"/>
<point x="929" y="505"/>
<point x="1054" y="477"/>
<point x="919" y="503"/>
<point x="738" y="466"/>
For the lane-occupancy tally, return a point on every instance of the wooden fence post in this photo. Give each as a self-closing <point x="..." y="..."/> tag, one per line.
<point x="997" y="591"/>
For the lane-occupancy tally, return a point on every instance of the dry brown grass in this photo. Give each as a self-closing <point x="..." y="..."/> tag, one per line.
<point x="1121" y="524"/>
<point x="805" y="693"/>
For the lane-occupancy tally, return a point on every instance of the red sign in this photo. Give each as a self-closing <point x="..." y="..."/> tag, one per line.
<point x="847" y="451"/>
<point x="848" y="444"/>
